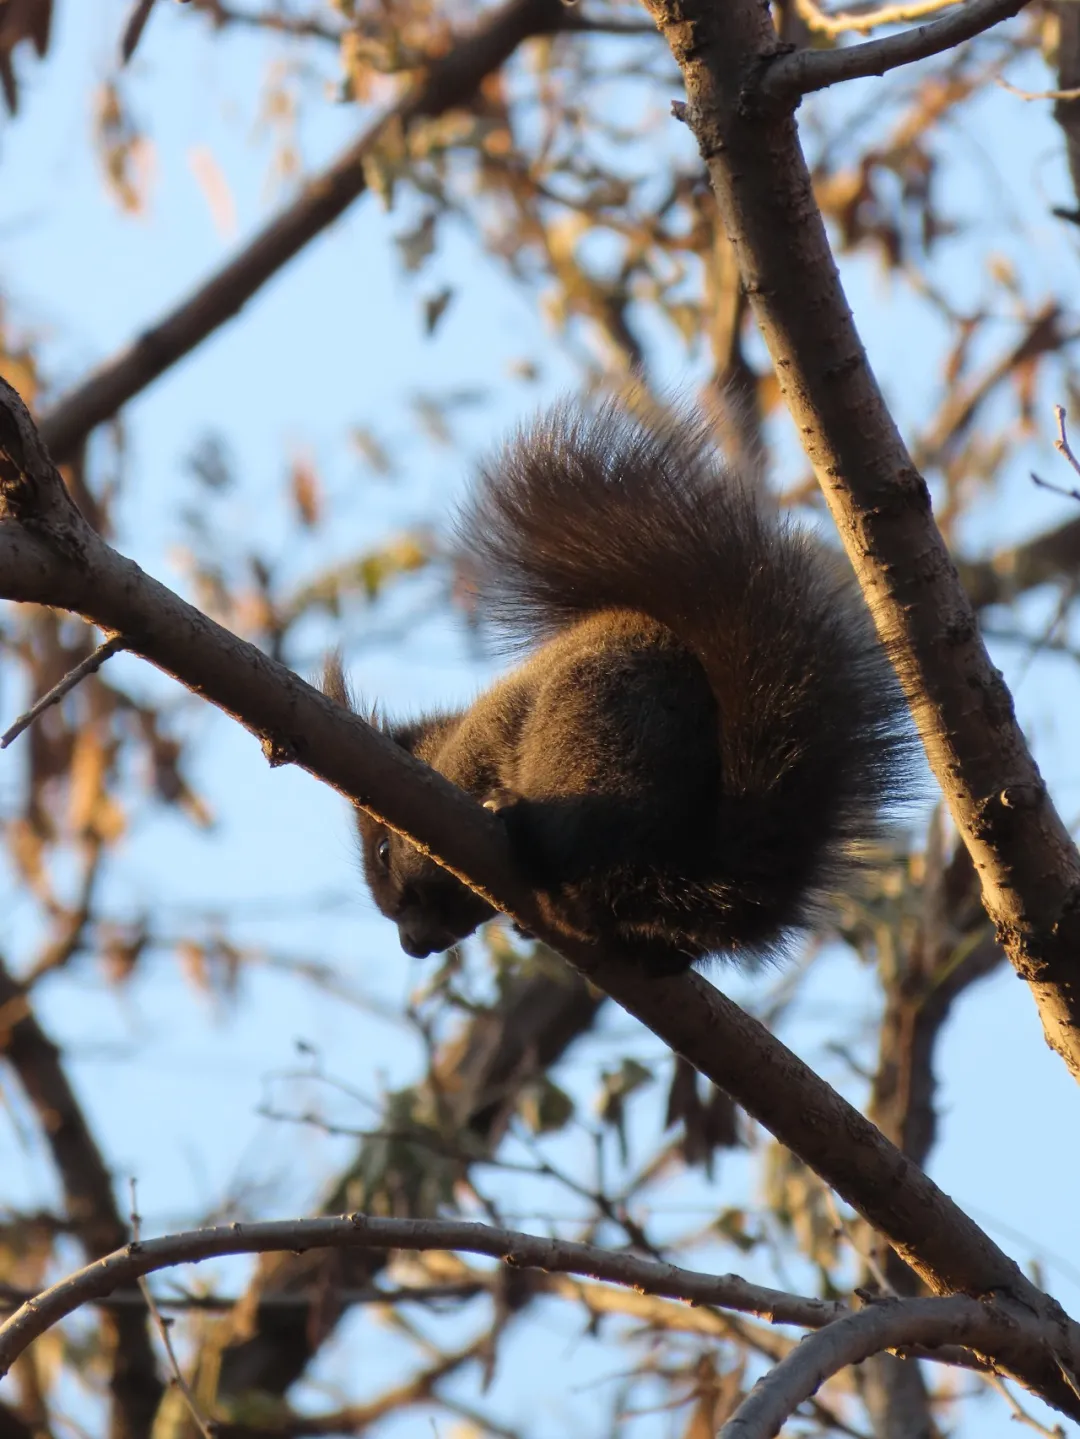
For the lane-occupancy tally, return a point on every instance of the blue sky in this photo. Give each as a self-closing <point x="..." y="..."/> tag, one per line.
<point x="336" y="341"/>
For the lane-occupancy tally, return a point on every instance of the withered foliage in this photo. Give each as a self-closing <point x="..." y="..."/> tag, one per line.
<point x="569" y="179"/>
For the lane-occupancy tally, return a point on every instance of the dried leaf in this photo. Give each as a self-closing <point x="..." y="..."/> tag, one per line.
<point x="126" y="154"/>
<point x="210" y="179"/>
<point x="545" y="1107"/>
<point x="370" y="450"/>
<point x="306" y="491"/>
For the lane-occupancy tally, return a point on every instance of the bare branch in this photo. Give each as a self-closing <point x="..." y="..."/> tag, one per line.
<point x="301" y="27"/>
<point x="1073" y="94"/>
<point x="1042" y="334"/>
<point x="1067" y="110"/>
<point x="790" y="76"/>
<point x="1028" y="864"/>
<point x="1061" y="444"/>
<point x="476" y="1076"/>
<point x="1049" y="557"/>
<point x="861" y="20"/>
<point x="889" y="1324"/>
<point x="67" y="684"/>
<point x="1019" y="1413"/>
<point x="13" y="1297"/>
<point x="133" y="28"/>
<point x="49" y="555"/>
<point x="162" y="1326"/>
<point x="983" y="1326"/>
<point x="124" y="1267"/>
<point x="358" y="1418"/>
<point x="449" y="81"/>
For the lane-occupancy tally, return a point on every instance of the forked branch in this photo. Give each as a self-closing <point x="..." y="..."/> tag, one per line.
<point x="49" y="555"/>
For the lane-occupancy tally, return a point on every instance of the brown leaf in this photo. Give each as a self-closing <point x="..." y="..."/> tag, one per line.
<point x="306" y="491"/>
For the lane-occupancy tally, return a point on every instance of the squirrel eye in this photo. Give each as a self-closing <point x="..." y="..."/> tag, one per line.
<point x="382" y="852"/>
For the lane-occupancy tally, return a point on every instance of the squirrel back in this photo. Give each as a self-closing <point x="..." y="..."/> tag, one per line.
<point x="708" y="730"/>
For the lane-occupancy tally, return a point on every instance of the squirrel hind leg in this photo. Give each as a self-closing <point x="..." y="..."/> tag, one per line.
<point x="564" y="839"/>
<point x="555" y="847"/>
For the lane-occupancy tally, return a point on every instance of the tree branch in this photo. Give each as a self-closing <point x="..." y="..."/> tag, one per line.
<point x="89" y="1200"/>
<point x="1067" y="111"/>
<point x="1054" y="555"/>
<point x="449" y="81"/>
<point x="790" y="76"/>
<point x="123" y="1268"/>
<point x="477" y="1075"/>
<point x="886" y="1324"/>
<point x="1027" y="863"/>
<point x="987" y="1328"/>
<point x="49" y="555"/>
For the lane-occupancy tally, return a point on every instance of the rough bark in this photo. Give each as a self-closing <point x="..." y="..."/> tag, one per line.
<point x="49" y="555"/>
<point x="1027" y="863"/>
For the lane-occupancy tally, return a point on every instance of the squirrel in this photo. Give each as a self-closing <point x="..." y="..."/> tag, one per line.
<point x="706" y="731"/>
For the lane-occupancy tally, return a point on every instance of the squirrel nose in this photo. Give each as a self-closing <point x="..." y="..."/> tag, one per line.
<point x="420" y="937"/>
<point x="416" y="948"/>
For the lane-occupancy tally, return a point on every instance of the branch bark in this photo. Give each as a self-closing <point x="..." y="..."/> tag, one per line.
<point x="449" y="81"/>
<point x="1026" y="861"/>
<point x="49" y="555"/>
<point x="889" y="1324"/>
<point x="791" y="76"/>
<point x="121" y="1269"/>
<point x="1067" y="112"/>
<point x="988" y="1328"/>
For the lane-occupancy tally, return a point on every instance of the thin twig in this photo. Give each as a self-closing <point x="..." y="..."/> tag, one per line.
<point x="133" y="29"/>
<point x="13" y="1297"/>
<point x="1054" y="489"/>
<point x="1061" y="444"/>
<point x="844" y="22"/>
<point x="451" y="79"/>
<point x="865" y="1254"/>
<point x="1037" y="94"/>
<point x="1019" y="1413"/>
<point x="71" y="679"/>
<point x="791" y="76"/>
<point x="206" y="1429"/>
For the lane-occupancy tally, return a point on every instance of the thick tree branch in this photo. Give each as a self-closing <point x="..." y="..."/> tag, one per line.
<point x="359" y="1231"/>
<point x="49" y="555"/>
<point x="789" y="77"/>
<point x="449" y="81"/>
<point x="845" y="1338"/>
<point x="886" y="1324"/>
<point x="1026" y="861"/>
<point x="1067" y="111"/>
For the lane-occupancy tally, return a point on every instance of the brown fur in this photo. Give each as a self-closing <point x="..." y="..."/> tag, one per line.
<point x="708" y="728"/>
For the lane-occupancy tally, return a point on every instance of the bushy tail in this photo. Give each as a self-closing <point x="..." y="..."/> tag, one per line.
<point x="592" y="510"/>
